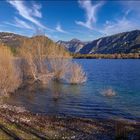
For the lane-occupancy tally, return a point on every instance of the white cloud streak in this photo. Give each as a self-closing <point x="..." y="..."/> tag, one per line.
<point x="20" y="24"/>
<point x="123" y="24"/>
<point x="29" y="14"/>
<point x="118" y="26"/>
<point x="59" y="28"/>
<point x="36" y="12"/>
<point x="90" y="11"/>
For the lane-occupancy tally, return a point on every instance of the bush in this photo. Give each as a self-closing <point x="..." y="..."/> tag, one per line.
<point x="75" y="74"/>
<point x="10" y="76"/>
<point x="36" y="52"/>
<point x="108" y="92"/>
<point x="59" y="66"/>
<point x="44" y="60"/>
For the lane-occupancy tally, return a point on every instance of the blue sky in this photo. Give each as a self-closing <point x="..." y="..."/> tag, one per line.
<point x="66" y="19"/>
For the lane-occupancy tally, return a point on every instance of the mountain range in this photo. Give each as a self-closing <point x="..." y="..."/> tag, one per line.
<point x="73" y="45"/>
<point x="126" y="42"/>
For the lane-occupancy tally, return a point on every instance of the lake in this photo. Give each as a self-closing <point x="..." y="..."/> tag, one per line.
<point x="88" y="100"/>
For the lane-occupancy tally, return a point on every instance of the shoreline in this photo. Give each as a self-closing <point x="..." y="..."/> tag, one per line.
<point x="107" y="56"/>
<point x="18" y="123"/>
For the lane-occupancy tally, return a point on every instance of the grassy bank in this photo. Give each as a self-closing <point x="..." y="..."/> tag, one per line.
<point x="107" y="56"/>
<point x="16" y="123"/>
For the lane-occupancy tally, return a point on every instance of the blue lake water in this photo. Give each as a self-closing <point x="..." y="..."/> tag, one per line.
<point x="87" y="100"/>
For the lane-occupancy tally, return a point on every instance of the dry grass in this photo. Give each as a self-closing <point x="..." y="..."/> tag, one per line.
<point x="10" y="78"/>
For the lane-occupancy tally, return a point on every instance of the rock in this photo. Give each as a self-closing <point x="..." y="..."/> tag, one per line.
<point x="13" y="108"/>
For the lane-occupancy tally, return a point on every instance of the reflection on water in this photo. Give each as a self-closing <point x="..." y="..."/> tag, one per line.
<point x="56" y="90"/>
<point x="119" y="79"/>
<point x="39" y="98"/>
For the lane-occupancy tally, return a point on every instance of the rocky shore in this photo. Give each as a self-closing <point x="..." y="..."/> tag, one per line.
<point x="17" y="123"/>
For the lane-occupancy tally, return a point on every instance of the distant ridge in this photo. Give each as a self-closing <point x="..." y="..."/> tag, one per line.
<point x="73" y="45"/>
<point x="126" y="42"/>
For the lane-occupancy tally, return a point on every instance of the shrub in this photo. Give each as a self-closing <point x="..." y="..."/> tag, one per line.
<point x="59" y="66"/>
<point x="65" y="70"/>
<point x="44" y="60"/>
<point x="75" y="74"/>
<point x="10" y="76"/>
<point x="36" y="52"/>
<point x="33" y="53"/>
<point x="109" y="92"/>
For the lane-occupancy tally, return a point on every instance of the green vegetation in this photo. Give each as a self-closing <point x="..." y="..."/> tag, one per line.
<point x="14" y="50"/>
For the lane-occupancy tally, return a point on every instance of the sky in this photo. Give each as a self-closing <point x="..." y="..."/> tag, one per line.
<point x="67" y="19"/>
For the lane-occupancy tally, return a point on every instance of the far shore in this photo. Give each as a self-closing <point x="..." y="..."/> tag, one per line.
<point x="18" y="123"/>
<point x="107" y="56"/>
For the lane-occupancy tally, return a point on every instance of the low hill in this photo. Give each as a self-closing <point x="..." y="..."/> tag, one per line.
<point x="15" y="41"/>
<point x="11" y="39"/>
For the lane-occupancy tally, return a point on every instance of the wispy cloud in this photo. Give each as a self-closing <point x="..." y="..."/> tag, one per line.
<point x="30" y="14"/>
<point x="132" y="5"/>
<point x="122" y="24"/>
<point x="59" y="28"/>
<point x="90" y="11"/>
<point x="119" y="26"/>
<point x="23" y="24"/>
<point x="20" y="24"/>
<point x="36" y="10"/>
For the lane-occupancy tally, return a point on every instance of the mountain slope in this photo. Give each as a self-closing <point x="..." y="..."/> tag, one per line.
<point x="127" y="42"/>
<point x="11" y="39"/>
<point x="73" y="45"/>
